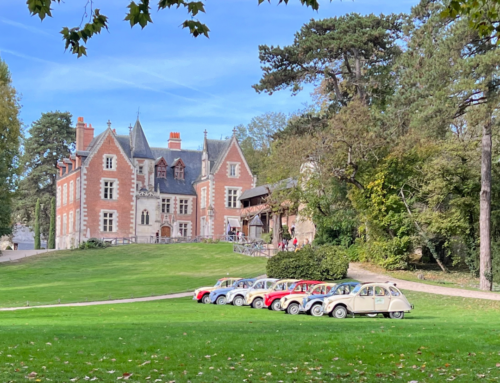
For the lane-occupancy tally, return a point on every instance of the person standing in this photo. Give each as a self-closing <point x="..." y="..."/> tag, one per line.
<point x="295" y="242"/>
<point x="292" y="230"/>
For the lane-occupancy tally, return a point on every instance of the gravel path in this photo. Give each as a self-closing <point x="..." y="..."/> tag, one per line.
<point x="357" y="272"/>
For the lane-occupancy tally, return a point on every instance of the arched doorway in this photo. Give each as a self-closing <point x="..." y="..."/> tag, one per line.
<point x="165" y="231"/>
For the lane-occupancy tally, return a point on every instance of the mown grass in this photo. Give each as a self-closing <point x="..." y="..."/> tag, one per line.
<point x="443" y="339"/>
<point x="120" y="272"/>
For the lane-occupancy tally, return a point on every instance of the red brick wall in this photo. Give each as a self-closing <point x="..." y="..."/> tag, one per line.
<point x="94" y="203"/>
<point x="202" y="212"/>
<point x="69" y="206"/>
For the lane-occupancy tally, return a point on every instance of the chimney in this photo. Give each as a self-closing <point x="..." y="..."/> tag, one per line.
<point x="174" y="141"/>
<point x="84" y="134"/>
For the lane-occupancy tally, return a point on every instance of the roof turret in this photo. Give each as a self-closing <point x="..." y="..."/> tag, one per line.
<point x="140" y="146"/>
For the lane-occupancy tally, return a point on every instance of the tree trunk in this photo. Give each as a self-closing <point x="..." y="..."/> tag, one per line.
<point x="276" y="229"/>
<point x="357" y="63"/>
<point x="485" y="211"/>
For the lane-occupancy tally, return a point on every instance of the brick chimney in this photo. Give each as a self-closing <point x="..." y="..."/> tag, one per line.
<point x="174" y="141"/>
<point x="84" y="134"/>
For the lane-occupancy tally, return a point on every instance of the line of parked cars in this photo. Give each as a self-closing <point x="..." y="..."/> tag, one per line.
<point x="310" y="297"/>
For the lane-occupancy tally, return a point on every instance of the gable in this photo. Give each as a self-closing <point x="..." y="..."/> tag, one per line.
<point x="232" y="153"/>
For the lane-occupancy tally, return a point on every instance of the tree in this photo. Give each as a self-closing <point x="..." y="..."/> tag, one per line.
<point x="37" y="224"/>
<point x="483" y="15"/>
<point x="138" y="13"/>
<point x="352" y="55"/>
<point x="51" y="244"/>
<point x="51" y="138"/>
<point x="10" y="135"/>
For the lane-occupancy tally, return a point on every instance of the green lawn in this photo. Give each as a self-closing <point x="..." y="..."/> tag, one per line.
<point x="444" y="339"/>
<point x="120" y="272"/>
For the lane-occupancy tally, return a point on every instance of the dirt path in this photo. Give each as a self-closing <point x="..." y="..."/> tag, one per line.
<point x="358" y="273"/>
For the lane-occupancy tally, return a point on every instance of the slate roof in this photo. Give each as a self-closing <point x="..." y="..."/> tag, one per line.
<point x="263" y="189"/>
<point x="192" y="160"/>
<point x="216" y="149"/>
<point x="140" y="145"/>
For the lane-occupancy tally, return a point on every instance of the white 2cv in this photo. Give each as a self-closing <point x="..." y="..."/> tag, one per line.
<point x="369" y="298"/>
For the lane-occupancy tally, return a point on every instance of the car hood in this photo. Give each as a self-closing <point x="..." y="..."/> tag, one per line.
<point x="207" y="288"/>
<point x="222" y="291"/>
<point x="278" y="294"/>
<point x="239" y="291"/>
<point x="332" y="298"/>
<point x="318" y="296"/>
<point x="292" y="296"/>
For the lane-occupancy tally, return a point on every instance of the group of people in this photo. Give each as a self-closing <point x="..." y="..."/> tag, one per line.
<point x="235" y="235"/>
<point x="284" y="245"/>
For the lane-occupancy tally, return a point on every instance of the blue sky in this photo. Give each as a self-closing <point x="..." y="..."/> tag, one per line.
<point x="178" y="83"/>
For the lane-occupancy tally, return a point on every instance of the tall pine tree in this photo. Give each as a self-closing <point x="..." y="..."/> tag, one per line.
<point x="51" y="244"/>
<point x="10" y="135"/>
<point x="51" y="138"/>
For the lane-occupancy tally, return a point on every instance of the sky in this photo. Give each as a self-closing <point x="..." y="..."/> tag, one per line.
<point x="174" y="82"/>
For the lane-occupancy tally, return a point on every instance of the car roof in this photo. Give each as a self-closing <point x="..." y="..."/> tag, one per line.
<point x="310" y="282"/>
<point x="328" y="283"/>
<point x="225" y="279"/>
<point x="287" y="280"/>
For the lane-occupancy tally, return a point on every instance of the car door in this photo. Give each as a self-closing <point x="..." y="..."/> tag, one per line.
<point x="364" y="301"/>
<point x="382" y="299"/>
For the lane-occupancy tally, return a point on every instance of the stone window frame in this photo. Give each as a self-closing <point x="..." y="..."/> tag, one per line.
<point x="181" y="205"/>
<point x="78" y="187"/>
<point x="114" y="218"/>
<point x="113" y="159"/>
<point x="187" y="228"/>
<point x="179" y="172"/>
<point x="226" y="197"/>
<point x="115" y="188"/>
<point x="77" y="221"/>
<point x="65" y="194"/>
<point x="71" y="222"/>
<point x="145" y="217"/>
<point x="58" y="228"/>
<point x="58" y="199"/>
<point x="236" y="170"/>
<point x="64" y="224"/>
<point x="140" y="169"/>
<point x="164" y="204"/>
<point x="71" y="191"/>
<point x="203" y="198"/>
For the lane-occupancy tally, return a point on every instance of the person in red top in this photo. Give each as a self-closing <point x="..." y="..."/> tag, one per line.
<point x="295" y="243"/>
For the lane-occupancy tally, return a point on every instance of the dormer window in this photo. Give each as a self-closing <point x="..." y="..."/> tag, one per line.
<point x="161" y="168"/>
<point x="140" y="170"/>
<point x="179" y="168"/>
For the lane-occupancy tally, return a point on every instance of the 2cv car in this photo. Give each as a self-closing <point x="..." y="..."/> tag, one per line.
<point x="255" y="299"/>
<point x="273" y="298"/>
<point x="369" y="298"/>
<point x="202" y="294"/>
<point x="290" y="304"/>
<point x="218" y="296"/>
<point x="237" y="296"/>
<point x="313" y="304"/>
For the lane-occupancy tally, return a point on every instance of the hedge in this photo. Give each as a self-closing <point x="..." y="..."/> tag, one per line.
<point x="314" y="263"/>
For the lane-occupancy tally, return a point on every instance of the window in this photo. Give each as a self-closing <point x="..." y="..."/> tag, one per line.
<point x="394" y="291"/>
<point x="366" y="292"/>
<point x="140" y="171"/>
<point x="77" y="221"/>
<point x="232" y="197"/>
<point x="109" y="162"/>
<point x="165" y="205"/>
<point x="179" y="172"/>
<point x="232" y="170"/>
<point x="380" y="291"/>
<point x="65" y="224"/>
<point x="145" y="217"/>
<point x="58" y="229"/>
<point x="161" y="172"/>
<point x="108" y="189"/>
<point x="203" y="202"/>
<point x="77" y="189"/>
<point x="70" y="229"/>
<point x="183" y="206"/>
<point x="65" y="194"/>
<point x="107" y="222"/>
<point x="58" y="196"/>
<point x="71" y="191"/>
<point x="183" y="229"/>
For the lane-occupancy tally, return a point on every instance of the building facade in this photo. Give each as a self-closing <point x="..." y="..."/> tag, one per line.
<point x="117" y="186"/>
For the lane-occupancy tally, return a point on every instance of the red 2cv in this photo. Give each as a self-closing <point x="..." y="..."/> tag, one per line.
<point x="272" y="300"/>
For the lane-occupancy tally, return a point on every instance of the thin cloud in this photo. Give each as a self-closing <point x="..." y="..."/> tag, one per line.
<point x="26" y="27"/>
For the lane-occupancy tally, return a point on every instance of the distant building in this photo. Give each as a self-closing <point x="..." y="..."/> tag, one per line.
<point x="117" y="186"/>
<point x="22" y="238"/>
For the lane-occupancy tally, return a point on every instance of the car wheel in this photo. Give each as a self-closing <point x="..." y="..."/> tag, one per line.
<point x="293" y="309"/>
<point x="238" y="300"/>
<point x="276" y="306"/>
<point x="371" y="315"/>
<point x="397" y="314"/>
<point x="316" y="310"/>
<point x="340" y="312"/>
<point x="257" y="303"/>
<point x="205" y="299"/>
<point x="221" y="300"/>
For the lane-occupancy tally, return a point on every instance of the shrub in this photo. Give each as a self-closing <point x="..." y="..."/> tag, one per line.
<point x="391" y="254"/>
<point x="286" y="233"/>
<point x="8" y="248"/>
<point x="321" y="263"/>
<point x="210" y="240"/>
<point x="93" y="243"/>
<point x="267" y="237"/>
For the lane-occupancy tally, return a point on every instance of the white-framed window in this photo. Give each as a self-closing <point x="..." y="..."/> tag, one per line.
<point x="140" y="170"/>
<point x="58" y="228"/>
<point x="65" y="224"/>
<point x="203" y="202"/>
<point x="183" y="206"/>
<point x="65" y="194"/>
<point x="109" y="162"/>
<point x="58" y="196"/>
<point x="165" y="205"/>
<point x="232" y="198"/>
<point x="77" y="221"/>
<point x="232" y="170"/>
<point x="179" y="172"/>
<point x="108" y="221"/>
<point x="70" y="228"/>
<point x="71" y="191"/>
<point x="183" y="229"/>
<point x="78" y="188"/>
<point x="145" y="217"/>
<point x="108" y="189"/>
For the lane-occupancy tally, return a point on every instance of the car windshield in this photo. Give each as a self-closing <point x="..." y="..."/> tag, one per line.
<point x="356" y="290"/>
<point x="292" y="286"/>
<point x="218" y="283"/>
